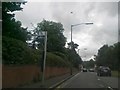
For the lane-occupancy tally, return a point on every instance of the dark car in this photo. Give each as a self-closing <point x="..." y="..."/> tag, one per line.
<point x="103" y="71"/>
<point x="84" y="70"/>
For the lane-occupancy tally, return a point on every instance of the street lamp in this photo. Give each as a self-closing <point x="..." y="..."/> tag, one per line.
<point x="77" y="25"/>
<point x="71" y="35"/>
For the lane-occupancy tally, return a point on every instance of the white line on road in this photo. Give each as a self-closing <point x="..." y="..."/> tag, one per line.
<point x="69" y="81"/>
<point x="98" y="79"/>
<point x="77" y="74"/>
<point x="109" y="88"/>
<point x="103" y="85"/>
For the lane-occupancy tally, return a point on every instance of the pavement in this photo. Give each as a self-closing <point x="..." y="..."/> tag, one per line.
<point x="52" y="82"/>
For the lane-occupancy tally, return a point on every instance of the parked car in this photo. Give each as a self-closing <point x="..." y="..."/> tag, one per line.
<point x="84" y="70"/>
<point x="103" y="71"/>
<point x="91" y="70"/>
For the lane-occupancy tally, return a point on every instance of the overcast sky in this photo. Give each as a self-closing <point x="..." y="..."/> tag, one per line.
<point x="104" y="15"/>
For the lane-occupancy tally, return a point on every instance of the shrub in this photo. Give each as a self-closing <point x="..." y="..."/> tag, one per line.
<point x="54" y="60"/>
<point x="60" y="54"/>
<point x="17" y="52"/>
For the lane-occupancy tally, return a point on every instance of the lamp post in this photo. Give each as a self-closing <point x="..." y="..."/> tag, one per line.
<point x="71" y="36"/>
<point x="78" y="51"/>
<point x="77" y="25"/>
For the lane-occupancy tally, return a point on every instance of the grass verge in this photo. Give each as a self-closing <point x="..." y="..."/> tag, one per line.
<point x="115" y="74"/>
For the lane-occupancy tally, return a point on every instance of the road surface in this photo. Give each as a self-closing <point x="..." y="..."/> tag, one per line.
<point x="90" y="80"/>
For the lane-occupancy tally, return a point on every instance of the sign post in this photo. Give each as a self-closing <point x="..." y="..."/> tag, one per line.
<point x="44" y="60"/>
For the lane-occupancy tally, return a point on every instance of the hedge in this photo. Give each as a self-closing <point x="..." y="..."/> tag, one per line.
<point x="17" y="52"/>
<point x="54" y="60"/>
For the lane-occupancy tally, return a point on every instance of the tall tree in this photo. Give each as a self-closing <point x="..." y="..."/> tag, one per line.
<point x="108" y="56"/>
<point x="89" y="64"/>
<point x="56" y="40"/>
<point x="74" y="58"/>
<point x="73" y="45"/>
<point x="101" y="58"/>
<point x="11" y="27"/>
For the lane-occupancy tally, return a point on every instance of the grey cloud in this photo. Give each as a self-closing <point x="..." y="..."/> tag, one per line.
<point x="108" y="32"/>
<point x="104" y="12"/>
<point x="110" y="7"/>
<point x="91" y="37"/>
<point x="91" y="6"/>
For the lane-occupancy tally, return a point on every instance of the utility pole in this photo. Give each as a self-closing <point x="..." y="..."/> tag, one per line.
<point x="44" y="61"/>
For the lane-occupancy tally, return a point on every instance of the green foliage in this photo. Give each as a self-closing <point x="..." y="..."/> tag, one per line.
<point x="16" y="52"/>
<point x="116" y="74"/>
<point x="61" y="55"/>
<point x="89" y="64"/>
<point x="108" y="56"/>
<point x="74" y="45"/>
<point x="11" y="27"/>
<point x="56" y="40"/>
<point x="54" y="60"/>
<point x="76" y="59"/>
<point x="73" y="57"/>
<point x="8" y="7"/>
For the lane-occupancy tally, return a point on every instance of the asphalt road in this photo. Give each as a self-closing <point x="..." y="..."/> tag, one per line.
<point x="90" y="80"/>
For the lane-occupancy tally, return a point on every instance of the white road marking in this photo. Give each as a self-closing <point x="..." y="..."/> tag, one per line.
<point x="58" y="87"/>
<point x="77" y="74"/>
<point x="98" y="79"/>
<point x="69" y="81"/>
<point x="109" y="88"/>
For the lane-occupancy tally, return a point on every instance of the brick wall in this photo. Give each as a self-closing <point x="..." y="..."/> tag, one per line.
<point x="18" y="75"/>
<point x="14" y="76"/>
<point x="55" y="71"/>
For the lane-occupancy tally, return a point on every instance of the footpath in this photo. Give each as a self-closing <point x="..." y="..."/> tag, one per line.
<point x="52" y="82"/>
